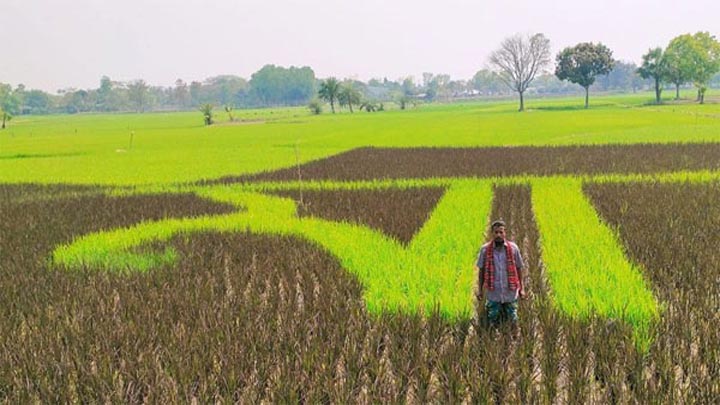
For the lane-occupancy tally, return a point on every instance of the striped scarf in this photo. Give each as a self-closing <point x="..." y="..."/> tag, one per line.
<point x="513" y="280"/>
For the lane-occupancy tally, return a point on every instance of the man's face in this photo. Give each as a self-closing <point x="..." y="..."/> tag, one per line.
<point x="499" y="233"/>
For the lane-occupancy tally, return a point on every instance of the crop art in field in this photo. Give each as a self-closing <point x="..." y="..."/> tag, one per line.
<point x="587" y="270"/>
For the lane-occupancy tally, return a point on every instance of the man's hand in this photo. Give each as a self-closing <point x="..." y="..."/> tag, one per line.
<point x="522" y="293"/>
<point x="479" y="292"/>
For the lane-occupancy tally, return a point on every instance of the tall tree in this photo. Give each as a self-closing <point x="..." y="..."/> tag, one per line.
<point x="582" y="63"/>
<point x="406" y="93"/>
<point x="348" y="95"/>
<point x="138" y="94"/>
<point x="679" y="61"/>
<point x="329" y="91"/>
<point x="181" y="94"/>
<point x="706" y="58"/>
<point x="654" y="66"/>
<point x="104" y="100"/>
<point x="519" y="59"/>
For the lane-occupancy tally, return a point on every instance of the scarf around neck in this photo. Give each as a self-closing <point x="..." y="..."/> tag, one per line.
<point x="512" y="274"/>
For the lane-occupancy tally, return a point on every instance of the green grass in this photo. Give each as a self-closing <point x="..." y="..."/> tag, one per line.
<point x="175" y="147"/>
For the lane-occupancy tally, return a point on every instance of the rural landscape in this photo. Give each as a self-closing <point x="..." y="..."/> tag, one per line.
<point x="292" y="238"/>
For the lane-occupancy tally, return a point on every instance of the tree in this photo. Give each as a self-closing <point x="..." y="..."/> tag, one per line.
<point x="406" y="93"/>
<point x="104" y="100"/>
<point x="488" y="83"/>
<point x="315" y="106"/>
<point x="679" y="61"/>
<point x="75" y="101"/>
<point x="276" y="85"/>
<point x="519" y="59"/>
<point x="138" y="94"/>
<point x="181" y="94"/>
<point x="37" y="102"/>
<point x="348" y="95"/>
<point x="622" y="77"/>
<point x="654" y="66"/>
<point x="207" y="112"/>
<point x="9" y="104"/>
<point x="706" y="61"/>
<point x="225" y="89"/>
<point x="435" y="86"/>
<point x="329" y="91"/>
<point x="582" y="63"/>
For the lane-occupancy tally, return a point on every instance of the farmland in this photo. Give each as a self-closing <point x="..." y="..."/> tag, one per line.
<point x="312" y="259"/>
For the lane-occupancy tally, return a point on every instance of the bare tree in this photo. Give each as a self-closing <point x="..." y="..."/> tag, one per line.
<point x="519" y="59"/>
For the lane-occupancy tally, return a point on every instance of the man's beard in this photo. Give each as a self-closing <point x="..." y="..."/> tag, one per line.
<point x="499" y="242"/>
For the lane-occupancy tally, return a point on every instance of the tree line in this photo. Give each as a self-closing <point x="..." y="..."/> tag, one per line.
<point x="518" y="66"/>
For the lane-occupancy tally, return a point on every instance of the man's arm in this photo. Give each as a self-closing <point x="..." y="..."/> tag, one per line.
<point x="480" y="268"/>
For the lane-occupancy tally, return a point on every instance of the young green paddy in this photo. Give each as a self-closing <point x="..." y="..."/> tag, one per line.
<point x="176" y="147"/>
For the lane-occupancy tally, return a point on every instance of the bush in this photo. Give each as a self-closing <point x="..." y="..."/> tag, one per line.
<point x="315" y="107"/>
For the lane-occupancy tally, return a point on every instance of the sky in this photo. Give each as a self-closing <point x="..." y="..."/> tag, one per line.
<point x="56" y="44"/>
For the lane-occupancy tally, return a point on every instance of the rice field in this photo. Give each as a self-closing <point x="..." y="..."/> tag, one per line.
<point x="347" y="275"/>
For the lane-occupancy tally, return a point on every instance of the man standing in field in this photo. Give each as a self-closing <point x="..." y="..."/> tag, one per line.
<point x="499" y="266"/>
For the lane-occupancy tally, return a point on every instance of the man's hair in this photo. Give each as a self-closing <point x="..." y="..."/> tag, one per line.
<point x="498" y="223"/>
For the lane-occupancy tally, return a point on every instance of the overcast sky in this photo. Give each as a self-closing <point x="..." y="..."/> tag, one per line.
<point x="52" y="44"/>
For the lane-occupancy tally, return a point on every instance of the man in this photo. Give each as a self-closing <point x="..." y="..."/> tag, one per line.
<point x="499" y="266"/>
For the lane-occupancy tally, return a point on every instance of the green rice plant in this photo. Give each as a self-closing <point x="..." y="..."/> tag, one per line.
<point x="586" y="267"/>
<point x="36" y="148"/>
<point x="434" y="270"/>
<point x="588" y="272"/>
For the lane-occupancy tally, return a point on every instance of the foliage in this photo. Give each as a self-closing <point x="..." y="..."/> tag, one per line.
<point x="582" y="63"/>
<point x="623" y="77"/>
<point x="347" y="96"/>
<point x="276" y="85"/>
<point x="139" y="95"/>
<point x="702" y="54"/>
<point x="371" y="106"/>
<point x="654" y="66"/>
<point x="679" y="58"/>
<point x="315" y="106"/>
<point x="207" y="112"/>
<point x="9" y="103"/>
<point x="329" y="91"/>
